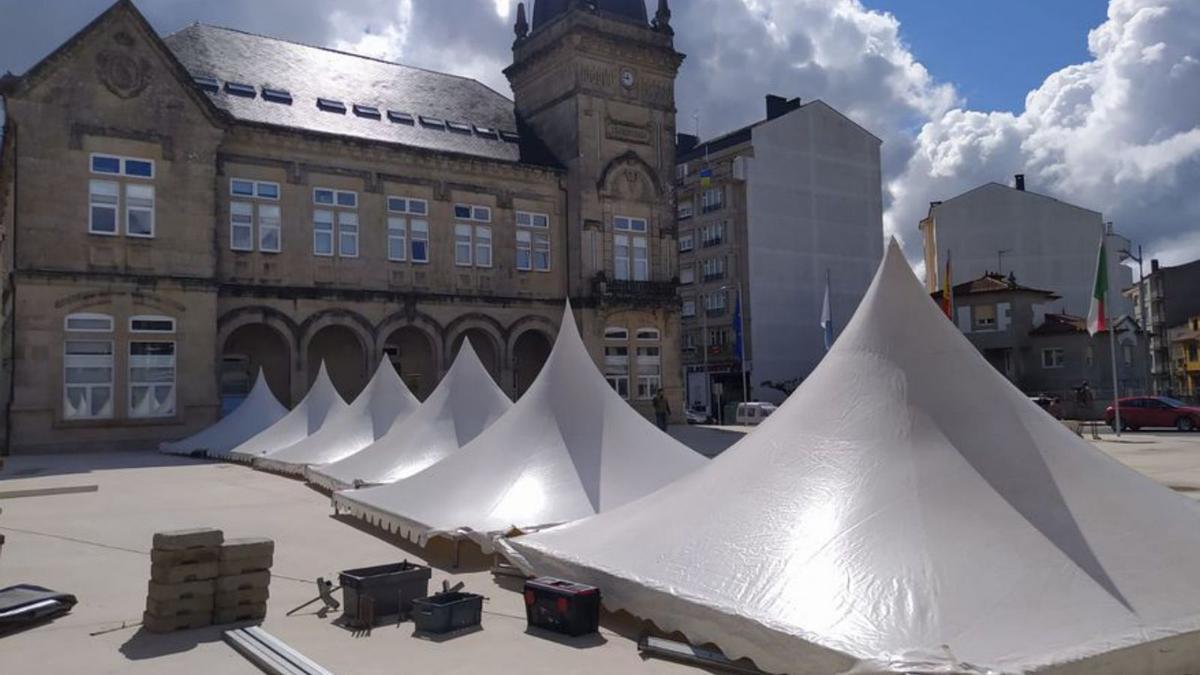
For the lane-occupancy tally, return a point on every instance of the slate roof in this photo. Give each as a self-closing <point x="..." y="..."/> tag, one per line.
<point x="995" y="283"/>
<point x="310" y="73"/>
<point x="545" y="11"/>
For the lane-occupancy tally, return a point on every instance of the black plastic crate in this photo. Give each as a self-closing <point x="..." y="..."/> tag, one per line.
<point x="562" y="606"/>
<point x="383" y="590"/>
<point x="447" y="612"/>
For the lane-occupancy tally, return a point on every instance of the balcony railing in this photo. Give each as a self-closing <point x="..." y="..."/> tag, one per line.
<point x="716" y="311"/>
<point x="715" y="276"/>
<point x="715" y="241"/>
<point x="635" y="292"/>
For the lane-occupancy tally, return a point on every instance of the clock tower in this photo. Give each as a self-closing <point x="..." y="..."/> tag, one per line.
<point x="595" y="81"/>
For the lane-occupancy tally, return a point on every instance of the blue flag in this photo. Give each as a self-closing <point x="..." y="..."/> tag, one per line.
<point x="827" y="318"/>
<point x="737" y="329"/>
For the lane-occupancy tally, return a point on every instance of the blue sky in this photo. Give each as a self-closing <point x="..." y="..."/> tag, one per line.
<point x="995" y="52"/>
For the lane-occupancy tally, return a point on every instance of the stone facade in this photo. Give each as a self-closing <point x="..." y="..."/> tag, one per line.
<point x="123" y="340"/>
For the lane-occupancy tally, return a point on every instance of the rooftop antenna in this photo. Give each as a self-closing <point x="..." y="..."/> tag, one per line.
<point x="1000" y="260"/>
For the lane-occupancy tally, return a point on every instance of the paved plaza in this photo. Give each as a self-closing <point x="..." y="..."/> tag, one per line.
<point x="96" y="546"/>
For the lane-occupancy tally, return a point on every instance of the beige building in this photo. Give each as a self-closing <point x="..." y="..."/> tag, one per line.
<point x="182" y="211"/>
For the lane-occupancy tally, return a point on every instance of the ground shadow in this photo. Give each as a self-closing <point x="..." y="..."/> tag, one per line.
<point x="445" y="637"/>
<point x="144" y="645"/>
<point x="589" y="641"/>
<point x="39" y="466"/>
<point x="440" y="553"/>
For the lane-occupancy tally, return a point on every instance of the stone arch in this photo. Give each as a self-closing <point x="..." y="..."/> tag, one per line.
<point x="530" y="341"/>
<point x="487" y="337"/>
<point x="631" y="167"/>
<point x="247" y="348"/>
<point x="415" y="354"/>
<point x="345" y="355"/>
<point x="240" y="316"/>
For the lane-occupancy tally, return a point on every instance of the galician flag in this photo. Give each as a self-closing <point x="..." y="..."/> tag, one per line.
<point x="827" y="318"/>
<point x="1098" y="314"/>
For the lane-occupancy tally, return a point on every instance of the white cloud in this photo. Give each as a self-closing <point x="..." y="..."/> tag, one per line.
<point x="1119" y="134"/>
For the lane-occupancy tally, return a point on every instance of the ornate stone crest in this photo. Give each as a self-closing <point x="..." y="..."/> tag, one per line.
<point x="123" y="74"/>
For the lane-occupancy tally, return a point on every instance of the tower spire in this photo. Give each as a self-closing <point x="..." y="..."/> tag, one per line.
<point x="662" y="18"/>
<point x="522" y="27"/>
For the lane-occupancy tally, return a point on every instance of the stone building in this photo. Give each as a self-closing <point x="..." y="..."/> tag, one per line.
<point x="1167" y="298"/>
<point x="185" y="210"/>
<point x="772" y="210"/>
<point x="1028" y="337"/>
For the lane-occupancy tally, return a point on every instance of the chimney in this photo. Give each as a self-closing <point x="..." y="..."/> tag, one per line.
<point x="1153" y="266"/>
<point x="778" y="106"/>
<point x="685" y="143"/>
<point x="1020" y="181"/>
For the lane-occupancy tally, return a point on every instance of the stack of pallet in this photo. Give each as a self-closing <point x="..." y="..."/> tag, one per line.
<point x="244" y="577"/>
<point x="183" y="572"/>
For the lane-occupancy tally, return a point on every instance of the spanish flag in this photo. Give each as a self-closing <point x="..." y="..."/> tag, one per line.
<point x="948" y="290"/>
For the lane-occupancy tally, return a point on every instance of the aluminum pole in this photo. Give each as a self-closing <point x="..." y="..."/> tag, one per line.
<point x="742" y="356"/>
<point x="1112" y="342"/>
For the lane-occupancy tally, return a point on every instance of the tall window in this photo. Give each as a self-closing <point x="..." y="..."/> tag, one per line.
<point x="683" y="210"/>
<point x="151" y="379"/>
<point x="336" y="213"/>
<point x="689" y="308"/>
<point x="649" y="365"/>
<point x="1052" y="358"/>
<point x="88" y="367"/>
<point x="631" y="259"/>
<point x="687" y="274"/>
<point x="686" y="240"/>
<point x="403" y="214"/>
<point x="533" y="242"/>
<point x="472" y="240"/>
<point x="131" y="179"/>
<point x="713" y="199"/>
<point x="254" y="202"/>
<point x="419" y="232"/>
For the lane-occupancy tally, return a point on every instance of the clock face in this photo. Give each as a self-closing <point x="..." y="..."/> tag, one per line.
<point x="627" y="78"/>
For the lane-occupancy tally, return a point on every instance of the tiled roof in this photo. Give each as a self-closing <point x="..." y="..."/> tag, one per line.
<point x="545" y="11"/>
<point x="995" y="283"/>
<point x="431" y="111"/>
<point x="1061" y="324"/>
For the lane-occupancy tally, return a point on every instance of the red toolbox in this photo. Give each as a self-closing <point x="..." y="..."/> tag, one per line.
<point x="562" y="606"/>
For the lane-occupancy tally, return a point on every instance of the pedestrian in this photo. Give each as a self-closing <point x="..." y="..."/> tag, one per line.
<point x="662" y="410"/>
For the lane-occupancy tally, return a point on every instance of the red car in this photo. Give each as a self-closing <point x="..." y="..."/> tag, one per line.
<point x="1155" y="411"/>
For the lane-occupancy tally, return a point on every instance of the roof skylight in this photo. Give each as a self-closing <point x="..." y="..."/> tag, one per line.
<point x="208" y="84"/>
<point x="459" y="127"/>
<point x="277" y="95"/>
<point x="239" y="89"/>
<point x="366" y="111"/>
<point x="400" y="117"/>
<point x="432" y="122"/>
<point x="331" y="105"/>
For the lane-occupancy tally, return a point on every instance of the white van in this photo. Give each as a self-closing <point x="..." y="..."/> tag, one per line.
<point x="750" y="414"/>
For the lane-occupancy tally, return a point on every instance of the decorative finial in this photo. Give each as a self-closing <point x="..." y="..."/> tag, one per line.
<point x="522" y="27"/>
<point x="662" y="18"/>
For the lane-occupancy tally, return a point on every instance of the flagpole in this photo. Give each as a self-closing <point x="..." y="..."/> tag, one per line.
<point x="742" y="339"/>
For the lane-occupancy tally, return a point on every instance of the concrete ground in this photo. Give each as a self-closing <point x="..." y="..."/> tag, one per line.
<point x="96" y="544"/>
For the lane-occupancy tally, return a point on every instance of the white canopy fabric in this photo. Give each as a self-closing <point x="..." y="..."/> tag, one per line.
<point x="906" y="510"/>
<point x="466" y="402"/>
<point x="259" y="410"/>
<point x="383" y="403"/>
<point x="318" y="406"/>
<point x="570" y="448"/>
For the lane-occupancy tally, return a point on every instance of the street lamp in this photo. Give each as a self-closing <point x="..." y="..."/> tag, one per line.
<point x="1144" y="307"/>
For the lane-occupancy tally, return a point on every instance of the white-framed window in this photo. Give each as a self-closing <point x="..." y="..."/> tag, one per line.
<point x="1052" y="358"/>
<point x="689" y="308"/>
<point x="405" y="213"/>
<point x="713" y="268"/>
<point x="254" y="189"/>
<point x="649" y="335"/>
<point x="241" y="226"/>
<point x="712" y="199"/>
<point x="397" y="239"/>
<point x="139" y="210"/>
<point x="104" y="198"/>
<point x="419" y="234"/>
<point x="479" y="214"/>
<point x="533" y="242"/>
<point x="985" y="317"/>
<point x="347" y="234"/>
<point x="340" y="198"/>
<point x="114" y="165"/>
<point x="715" y="302"/>
<point x="151" y="379"/>
<point x="88" y="323"/>
<point x="323" y="233"/>
<point x="626" y="224"/>
<point x="687" y="240"/>
<point x="616" y="369"/>
<point x="683" y="210"/>
<point x="270" y="228"/>
<point x="621" y="257"/>
<point x="681" y="170"/>
<point x="462" y="245"/>
<point x="87" y="379"/>
<point x="616" y="333"/>
<point x="149" y="323"/>
<point x="641" y="259"/>
<point x="524" y="250"/>
<point x="712" y="234"/>
<point x="649" y="368"/>
<point x="483" y="246"/>
<point x="687" y="274"/>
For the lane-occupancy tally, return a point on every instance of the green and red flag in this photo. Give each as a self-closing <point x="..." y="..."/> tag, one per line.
<point x="1098" y="314"/>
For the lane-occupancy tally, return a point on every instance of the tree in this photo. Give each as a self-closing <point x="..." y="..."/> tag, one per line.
<point x="784" y="386"/>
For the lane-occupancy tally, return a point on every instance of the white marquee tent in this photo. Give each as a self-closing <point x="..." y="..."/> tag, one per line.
<point x="570" y="448"/>
<point x="466" y="402"/>
<point x="259" y="410"/>
<point x="906" y="510"/>
<point x="383" y="403"/>
<point x="319" y="405"/>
